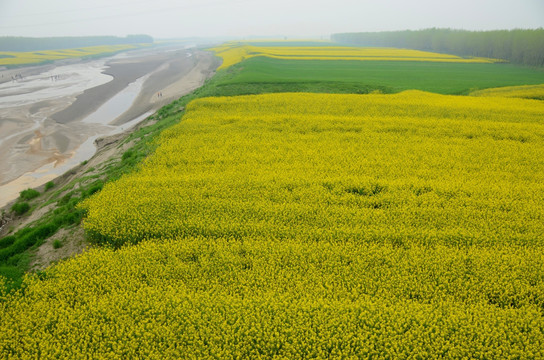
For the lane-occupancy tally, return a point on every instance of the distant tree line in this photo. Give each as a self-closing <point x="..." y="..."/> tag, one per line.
<point x="11" y="43"/>
<point x="524" y="47"/>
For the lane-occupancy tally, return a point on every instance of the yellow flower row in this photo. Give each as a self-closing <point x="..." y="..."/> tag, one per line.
<point x="21" y="58"/>
<point x="234" y="52"/>
<point x="222" y="298"/>
<point x="524" y="91"/>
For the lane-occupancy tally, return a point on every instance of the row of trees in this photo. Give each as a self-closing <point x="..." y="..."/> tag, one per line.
<point x="524" y="47"/>
<point x="11" y="43"/>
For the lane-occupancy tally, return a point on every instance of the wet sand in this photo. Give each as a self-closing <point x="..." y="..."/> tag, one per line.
<point x="38" y="138"/>
<point x="6" y="74"/>
<point x="123" y="74"/>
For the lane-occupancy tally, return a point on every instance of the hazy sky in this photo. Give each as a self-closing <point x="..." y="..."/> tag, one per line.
<point x="305" y="18"/>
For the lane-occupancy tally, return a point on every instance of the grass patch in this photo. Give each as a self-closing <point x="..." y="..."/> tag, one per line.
<point x="49" y="185"/>
<point x="346" y="76"/>
<point x="6" y="241"/>
<point x="20" y="208"/>
<point x="29" y="194"/>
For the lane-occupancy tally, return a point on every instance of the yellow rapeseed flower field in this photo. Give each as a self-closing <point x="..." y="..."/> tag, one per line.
<point x="234" y="52"/>
<point x="221" y="298"/>
<point x="523" y="91"/>
<point x="22" y="58"/>
<point x="296" y="226"/>
<point x="411" y="167"/>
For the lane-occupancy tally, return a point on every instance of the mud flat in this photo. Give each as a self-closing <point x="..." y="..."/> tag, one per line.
<point x="51" y="115"/>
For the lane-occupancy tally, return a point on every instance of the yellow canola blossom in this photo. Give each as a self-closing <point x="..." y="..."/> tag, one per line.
<point x="234" y="52"/>
<point x="22" y="58"/>
<point x="298" y="226"/>
<point x="204" y="298"/>
<point x="411" y="167"/>
<point x="523" y="91"/>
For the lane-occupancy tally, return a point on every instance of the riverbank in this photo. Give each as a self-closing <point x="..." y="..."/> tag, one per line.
<point x="40" y="138"/>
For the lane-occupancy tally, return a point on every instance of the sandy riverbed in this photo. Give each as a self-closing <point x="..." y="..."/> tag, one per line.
<point x="50" y="115"/>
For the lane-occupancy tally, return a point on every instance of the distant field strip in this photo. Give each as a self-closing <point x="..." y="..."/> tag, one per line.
<point x="525" y="92"/>
<point x="232" y="53"/>
<point x="22" y="58"/>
